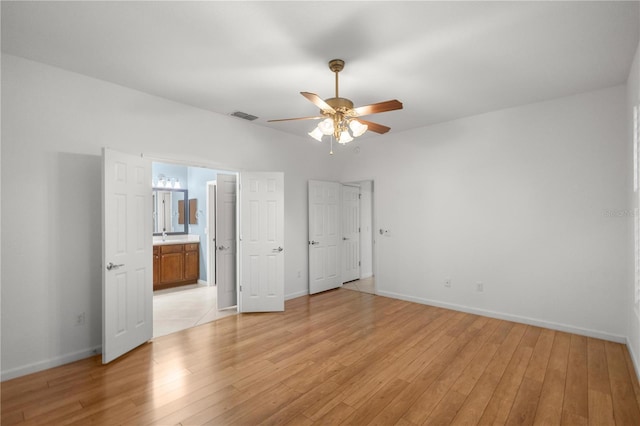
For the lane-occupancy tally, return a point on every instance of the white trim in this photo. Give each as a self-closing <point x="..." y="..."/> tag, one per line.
<point x="203" y="282"/>
<point x="508" y="317"/>
<point x="50" y="363"/>
<point x="191" y="163"/>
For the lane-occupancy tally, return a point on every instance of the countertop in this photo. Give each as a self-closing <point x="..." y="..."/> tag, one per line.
<point x="175" y="239"/>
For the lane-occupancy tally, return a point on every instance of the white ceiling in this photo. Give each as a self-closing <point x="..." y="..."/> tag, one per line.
<point x="443" y="60"/>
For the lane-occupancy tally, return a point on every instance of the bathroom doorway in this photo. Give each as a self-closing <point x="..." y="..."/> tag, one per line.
<point x="185" y="303"/>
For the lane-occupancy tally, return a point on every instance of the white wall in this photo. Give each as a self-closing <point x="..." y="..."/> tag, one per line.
<point x="54" y="125"/>
<point x="516" y="199"/>
<point x="633" y="318"/>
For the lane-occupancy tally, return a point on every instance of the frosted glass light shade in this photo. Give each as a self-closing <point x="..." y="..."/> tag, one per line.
<point x="345" y="137"/>
<point x="357" y="128"/>
<point x="316" y="134"/>
<point x="326" y="126"/>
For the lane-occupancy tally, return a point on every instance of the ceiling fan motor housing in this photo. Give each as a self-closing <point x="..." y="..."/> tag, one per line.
<point x="340" y="104"/>
<point x="336" y="65"/>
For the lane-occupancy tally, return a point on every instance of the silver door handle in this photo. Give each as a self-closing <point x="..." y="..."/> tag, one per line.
<point x="111" y="266"/>
<point x="313" y="243"/>
<point x="222" y="248"/>
<point x="344" y="238"/>
<point x="277" y="250"/>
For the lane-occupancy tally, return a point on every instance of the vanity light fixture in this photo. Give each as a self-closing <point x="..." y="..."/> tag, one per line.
<point x="168" y="182"/>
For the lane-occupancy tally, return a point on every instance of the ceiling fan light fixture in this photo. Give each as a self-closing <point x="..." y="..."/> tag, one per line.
<point x="345" y="137"/>
<point x="326" y="126"/>
<point x="339" y="116"/>
<point x="357" y="128"/>
<point x="316" y="134"/>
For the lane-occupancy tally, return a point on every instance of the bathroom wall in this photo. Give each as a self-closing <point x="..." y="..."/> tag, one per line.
<point x="198" y="178"/>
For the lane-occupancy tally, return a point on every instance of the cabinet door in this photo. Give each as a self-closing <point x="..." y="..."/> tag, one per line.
<point x="156" y="266"/>
<point x="171" y="267"/>
<point x="192" y="263"/>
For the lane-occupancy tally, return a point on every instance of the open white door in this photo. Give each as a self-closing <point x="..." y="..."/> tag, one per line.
<point x="324" y="236"/>
<point x="127" y="254"/>
<point x="226" y="240"/>
<point x="261" y="242"/>
<point x="350" y="233"/>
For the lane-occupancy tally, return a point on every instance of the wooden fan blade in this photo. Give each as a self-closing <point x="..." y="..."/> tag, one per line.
<point x="379" y="107"/>
<point x="292" y="119"/>
<point x="375" y="127"/>
<point x="317" y="101"/>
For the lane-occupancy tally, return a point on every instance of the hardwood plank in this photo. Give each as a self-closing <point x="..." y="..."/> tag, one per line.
<point x="625" y="407"/>
<point x="549" y="410"/>
<point x="576" y="400"/>
<point x="526" y="401"/>
<point x="599" y="393"/>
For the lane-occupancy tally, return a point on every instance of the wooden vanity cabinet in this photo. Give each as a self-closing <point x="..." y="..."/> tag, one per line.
<point x="191" y="262"/>
<point x="177" y="264"/>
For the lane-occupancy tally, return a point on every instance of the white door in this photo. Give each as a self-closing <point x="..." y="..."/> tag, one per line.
<point x="226" y="240"/>
<point x="350" y="233"/>
<point x="324" y="236"/>
<point x="261" y="242"/>
<point x="127" y="238"/>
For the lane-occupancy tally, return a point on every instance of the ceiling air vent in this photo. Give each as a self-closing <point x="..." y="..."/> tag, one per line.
<point x="244" y="115"/>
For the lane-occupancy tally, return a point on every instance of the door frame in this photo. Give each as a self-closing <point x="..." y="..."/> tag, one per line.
<point x="374" y="224"/>
<point x="211" y="224"/>
<point x="206" y="165"/>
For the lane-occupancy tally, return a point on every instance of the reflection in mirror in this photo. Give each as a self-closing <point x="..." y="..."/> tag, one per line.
<point x="166" y="211"/>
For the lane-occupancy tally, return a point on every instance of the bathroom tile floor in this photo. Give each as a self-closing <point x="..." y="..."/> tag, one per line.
<point x="184" y="307"/>
<point x="365" y="285"/>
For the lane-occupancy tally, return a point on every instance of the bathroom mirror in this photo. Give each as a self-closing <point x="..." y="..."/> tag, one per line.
<point x="169" y="207"/>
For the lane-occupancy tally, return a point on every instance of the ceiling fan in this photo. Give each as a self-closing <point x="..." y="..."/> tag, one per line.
<point x="341" y="119"/>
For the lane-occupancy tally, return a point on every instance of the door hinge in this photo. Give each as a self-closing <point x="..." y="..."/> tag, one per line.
<point x="359" y="196"/>
<point x="240" y="288"/>
<point x="358" y="229"/>
<point x="358" y="263"/>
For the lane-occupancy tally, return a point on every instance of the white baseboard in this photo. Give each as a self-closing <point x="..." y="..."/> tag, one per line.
<point x="509" y="317"/>
<point x="296" y="294"/>
<point x="49" y="363"/>
<point x="203" y="282"/>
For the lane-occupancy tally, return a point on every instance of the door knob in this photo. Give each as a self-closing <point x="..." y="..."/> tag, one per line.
<point x="314" y="242"/>
<point x="222" y="248"/>
<point x="344" y="238"/>
<point x="111" y="266"/>
<point x="277" y="250"/>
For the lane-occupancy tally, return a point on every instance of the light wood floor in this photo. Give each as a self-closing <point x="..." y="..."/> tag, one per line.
<point x="342" y="357"/>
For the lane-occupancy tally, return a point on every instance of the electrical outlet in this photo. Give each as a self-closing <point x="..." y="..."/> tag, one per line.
<point x="479" y="286"/>
<point x="447" y="282"/>
<point x="80" y="318"/>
